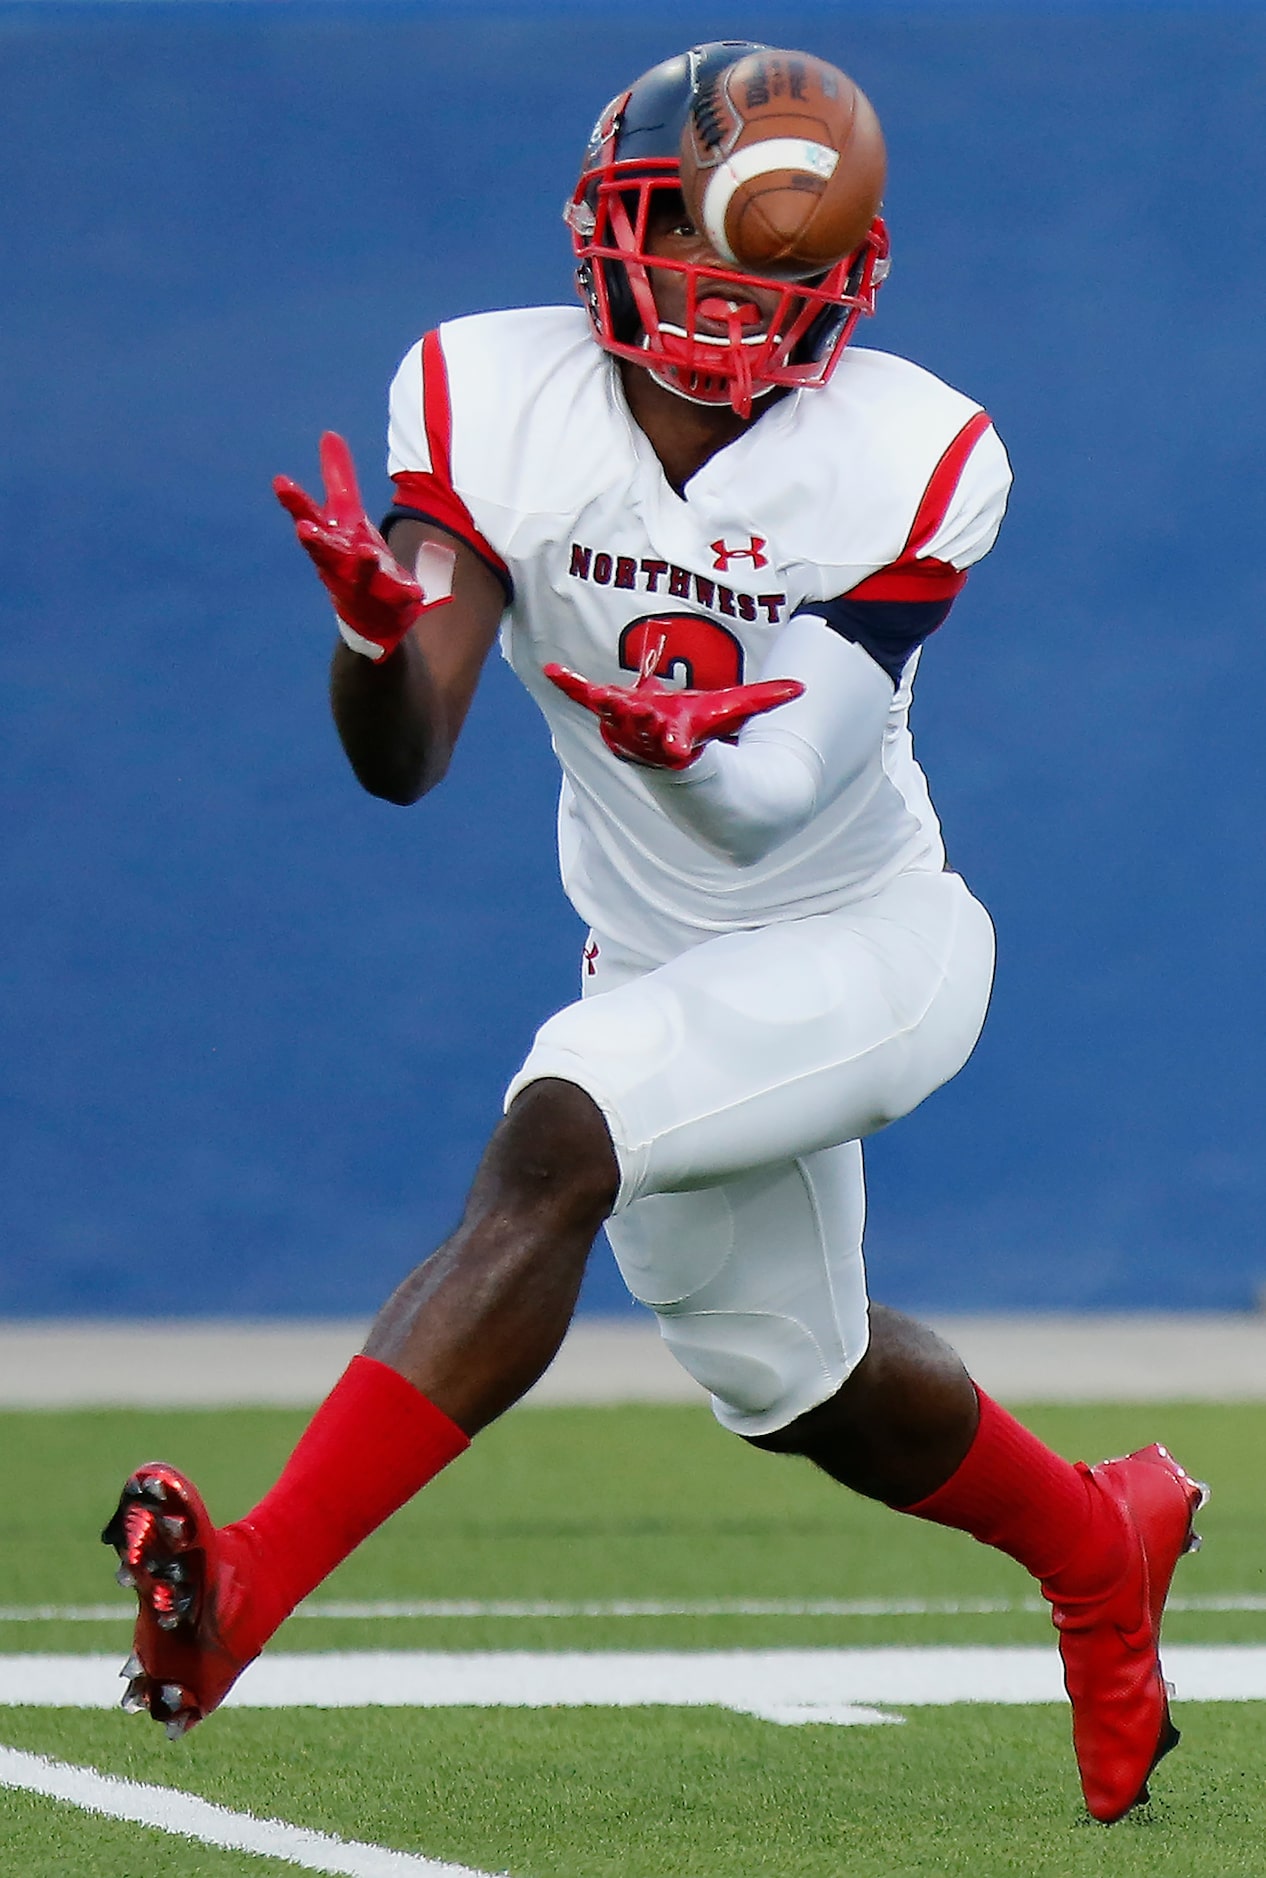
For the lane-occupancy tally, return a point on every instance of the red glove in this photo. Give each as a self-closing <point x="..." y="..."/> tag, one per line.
<point x="375" y="599"/>
<point x="653" y="724"/>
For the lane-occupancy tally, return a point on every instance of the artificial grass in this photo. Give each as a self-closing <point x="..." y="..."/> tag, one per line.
<point x="642" y="1793"/>
<point x="640" y="1503"/>
<point x="601" y="1504"/>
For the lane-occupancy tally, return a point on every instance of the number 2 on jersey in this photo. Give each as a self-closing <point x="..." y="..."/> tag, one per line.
<point x="692" y="649"/>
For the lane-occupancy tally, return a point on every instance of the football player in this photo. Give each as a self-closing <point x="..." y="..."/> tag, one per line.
<point x="713" y="538"/>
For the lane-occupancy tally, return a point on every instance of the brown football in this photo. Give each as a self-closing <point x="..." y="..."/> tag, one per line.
<point x="783" y="164"/>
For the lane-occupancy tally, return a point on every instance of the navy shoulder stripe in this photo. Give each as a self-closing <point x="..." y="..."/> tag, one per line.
<point x="889" y="630"/>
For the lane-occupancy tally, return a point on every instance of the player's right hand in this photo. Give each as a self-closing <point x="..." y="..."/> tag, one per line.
<point x="662" y="728"/>
<point x="375" y="600"/>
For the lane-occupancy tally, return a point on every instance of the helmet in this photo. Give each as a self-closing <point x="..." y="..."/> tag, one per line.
<point x="633" y="155"/>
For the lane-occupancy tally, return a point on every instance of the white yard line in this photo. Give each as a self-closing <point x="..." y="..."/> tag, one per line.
<point x="788" y="1686"/>
<point x="119" y="1610"/>
<point x="189" y="1817"/>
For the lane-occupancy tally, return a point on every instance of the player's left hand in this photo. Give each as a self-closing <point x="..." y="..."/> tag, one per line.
<point x="662" y="728"/>
<point x="375" y="599"/>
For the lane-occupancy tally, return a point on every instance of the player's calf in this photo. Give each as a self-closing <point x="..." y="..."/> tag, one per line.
<point x="901" y="1423"/>
<point x="1102" y="1541"/>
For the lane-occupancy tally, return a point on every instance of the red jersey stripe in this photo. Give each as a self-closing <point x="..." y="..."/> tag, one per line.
<point x="437" y="413"/>
<point x="434" y="501"/>
<point x="942" y="484"/>
<point x="913" y="576"/>
<point x="912" y="580"/>
<point x="430" y="493"/>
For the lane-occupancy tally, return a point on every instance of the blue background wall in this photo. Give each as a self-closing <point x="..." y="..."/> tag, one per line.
<point x="256" y="1025"/>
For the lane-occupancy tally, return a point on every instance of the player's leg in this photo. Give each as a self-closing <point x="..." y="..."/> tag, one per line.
<point x="761" y="1046"/>
<point x="899" y="1424"/>
<point x="481" y="1320"/>
<point x="1102" y="1542"/>
<point x="760" y="1293"/>
<point x="757" y="1048"/>
<point x="461" y="1339"/>
<point x="760" y="1289"/>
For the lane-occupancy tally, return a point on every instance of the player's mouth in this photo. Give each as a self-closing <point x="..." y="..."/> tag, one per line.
<point x="724" y="323"/>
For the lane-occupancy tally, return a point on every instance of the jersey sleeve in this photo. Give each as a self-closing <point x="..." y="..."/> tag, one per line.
<point x="419" y="454"/>
<point x="894" y="610"/>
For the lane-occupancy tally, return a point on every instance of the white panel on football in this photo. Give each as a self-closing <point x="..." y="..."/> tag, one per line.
<point x="759" y="159"/>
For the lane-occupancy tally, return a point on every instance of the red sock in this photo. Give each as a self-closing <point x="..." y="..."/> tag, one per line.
<point x="372" y="1444"/>
<point x="1013" y="1492"/>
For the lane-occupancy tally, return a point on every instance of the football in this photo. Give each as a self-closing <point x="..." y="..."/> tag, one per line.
<point x="783" y="164"/>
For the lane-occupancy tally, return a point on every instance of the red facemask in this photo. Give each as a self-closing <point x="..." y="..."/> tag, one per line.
<point x="800" y="344"/>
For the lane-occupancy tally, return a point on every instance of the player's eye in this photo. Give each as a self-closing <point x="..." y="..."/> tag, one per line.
<point x="671" y="219"/>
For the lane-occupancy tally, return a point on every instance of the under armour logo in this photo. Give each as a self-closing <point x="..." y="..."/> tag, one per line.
<point x="753" y="553"/>
<point x="591" y="958"/>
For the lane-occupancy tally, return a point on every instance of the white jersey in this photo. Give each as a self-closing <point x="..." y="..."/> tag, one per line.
<point x="511" y="430"/>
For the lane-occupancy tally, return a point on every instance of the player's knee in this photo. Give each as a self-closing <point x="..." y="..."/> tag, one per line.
<point x="762" y="1369"/>
<point x="907" y="1383"/>
<point x="553" y="1148"/>
<point x="803" y="1433"/>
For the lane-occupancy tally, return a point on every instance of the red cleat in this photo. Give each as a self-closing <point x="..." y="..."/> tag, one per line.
<point x="184" y="1657"/>
<point x="1110" y="1643"/>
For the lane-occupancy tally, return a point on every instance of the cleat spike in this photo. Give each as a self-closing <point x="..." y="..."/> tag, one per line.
<point x="124" y="1579"/>
<point x="138" y="1524"/>
<point x="179" y="1725"/>
<point x="167" y="1620"/>
<point x="175" y="1526"/>
<point x="133" y="1667"/>
<point x="173" y="1696"/>
<point x="153" y="1490"/>
<point x="1194" y="1543"/>
<point x="135" y="1697"/>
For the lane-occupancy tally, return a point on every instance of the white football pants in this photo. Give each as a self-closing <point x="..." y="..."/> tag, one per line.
<point x="738" y="1081"/>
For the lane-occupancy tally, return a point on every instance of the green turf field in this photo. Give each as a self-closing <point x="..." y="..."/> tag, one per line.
<point x="645" y="1505"/>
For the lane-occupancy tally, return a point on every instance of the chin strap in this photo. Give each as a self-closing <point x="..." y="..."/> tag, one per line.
<point x="736" y="386"/>
<point x="741" y="390"/>
<point x="737" y="315"/>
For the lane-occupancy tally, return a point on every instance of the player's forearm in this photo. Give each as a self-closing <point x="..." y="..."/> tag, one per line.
<point x="745" y="799"/>
<point x="391" y="722"/>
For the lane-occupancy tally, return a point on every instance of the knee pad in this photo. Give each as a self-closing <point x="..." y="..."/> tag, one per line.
<point x="761" y="1370"/>
<point x="758" y="1284"/>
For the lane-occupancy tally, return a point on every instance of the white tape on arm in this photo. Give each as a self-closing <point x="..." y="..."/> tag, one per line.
<point x="433" y="570"/>
<point x="369" y="648"/>
<point x="758" y="159"/>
